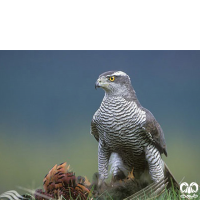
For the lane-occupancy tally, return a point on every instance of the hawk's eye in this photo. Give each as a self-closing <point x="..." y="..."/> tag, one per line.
<point x="112" y="78"/>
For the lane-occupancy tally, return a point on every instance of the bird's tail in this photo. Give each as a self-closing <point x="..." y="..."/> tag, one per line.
<point x="172" y="182"/>
<point x="156" y="189"/>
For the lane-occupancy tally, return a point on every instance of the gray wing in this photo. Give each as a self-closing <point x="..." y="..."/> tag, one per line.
<point x="94" y="131"/>
<point x="153" y="127"/>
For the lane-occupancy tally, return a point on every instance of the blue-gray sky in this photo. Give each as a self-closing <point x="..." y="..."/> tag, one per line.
<point x="48" y="97"/>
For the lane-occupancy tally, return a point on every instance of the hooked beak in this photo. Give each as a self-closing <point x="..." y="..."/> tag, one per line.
<point x="97" y="84"/>
<point x="101" y="82"/>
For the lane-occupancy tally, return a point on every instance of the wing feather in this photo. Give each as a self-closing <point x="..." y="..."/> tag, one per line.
<point x="153" y="127"/>
<point x="94" y="131"/>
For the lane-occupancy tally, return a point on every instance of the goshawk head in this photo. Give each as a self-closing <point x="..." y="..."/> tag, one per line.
<point x="115" y="83"/>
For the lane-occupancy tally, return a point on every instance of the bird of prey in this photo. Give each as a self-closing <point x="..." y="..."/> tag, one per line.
<point x="128" y="135"/>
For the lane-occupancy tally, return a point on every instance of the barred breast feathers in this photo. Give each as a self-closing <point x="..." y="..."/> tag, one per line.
<point x="117" y="111"/>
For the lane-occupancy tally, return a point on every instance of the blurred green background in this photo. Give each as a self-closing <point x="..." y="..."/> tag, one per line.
<point x="47" y="100"/>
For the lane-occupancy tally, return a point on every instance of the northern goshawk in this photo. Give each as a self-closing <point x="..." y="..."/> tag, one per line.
<point x="128" y="134"/>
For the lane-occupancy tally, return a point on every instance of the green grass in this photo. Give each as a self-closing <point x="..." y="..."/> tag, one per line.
<point x="170" y="194"/>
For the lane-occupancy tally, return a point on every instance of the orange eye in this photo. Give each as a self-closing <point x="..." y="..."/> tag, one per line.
<point x="112" y="78"/>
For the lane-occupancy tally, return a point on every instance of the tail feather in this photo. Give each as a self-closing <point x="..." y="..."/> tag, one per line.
<point x="151" y="191"/>
<point x="171" y="179"/>
<point x="156" y="189"/>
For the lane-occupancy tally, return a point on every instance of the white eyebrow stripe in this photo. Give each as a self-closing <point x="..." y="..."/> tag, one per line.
<point x="119" y="73"/>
